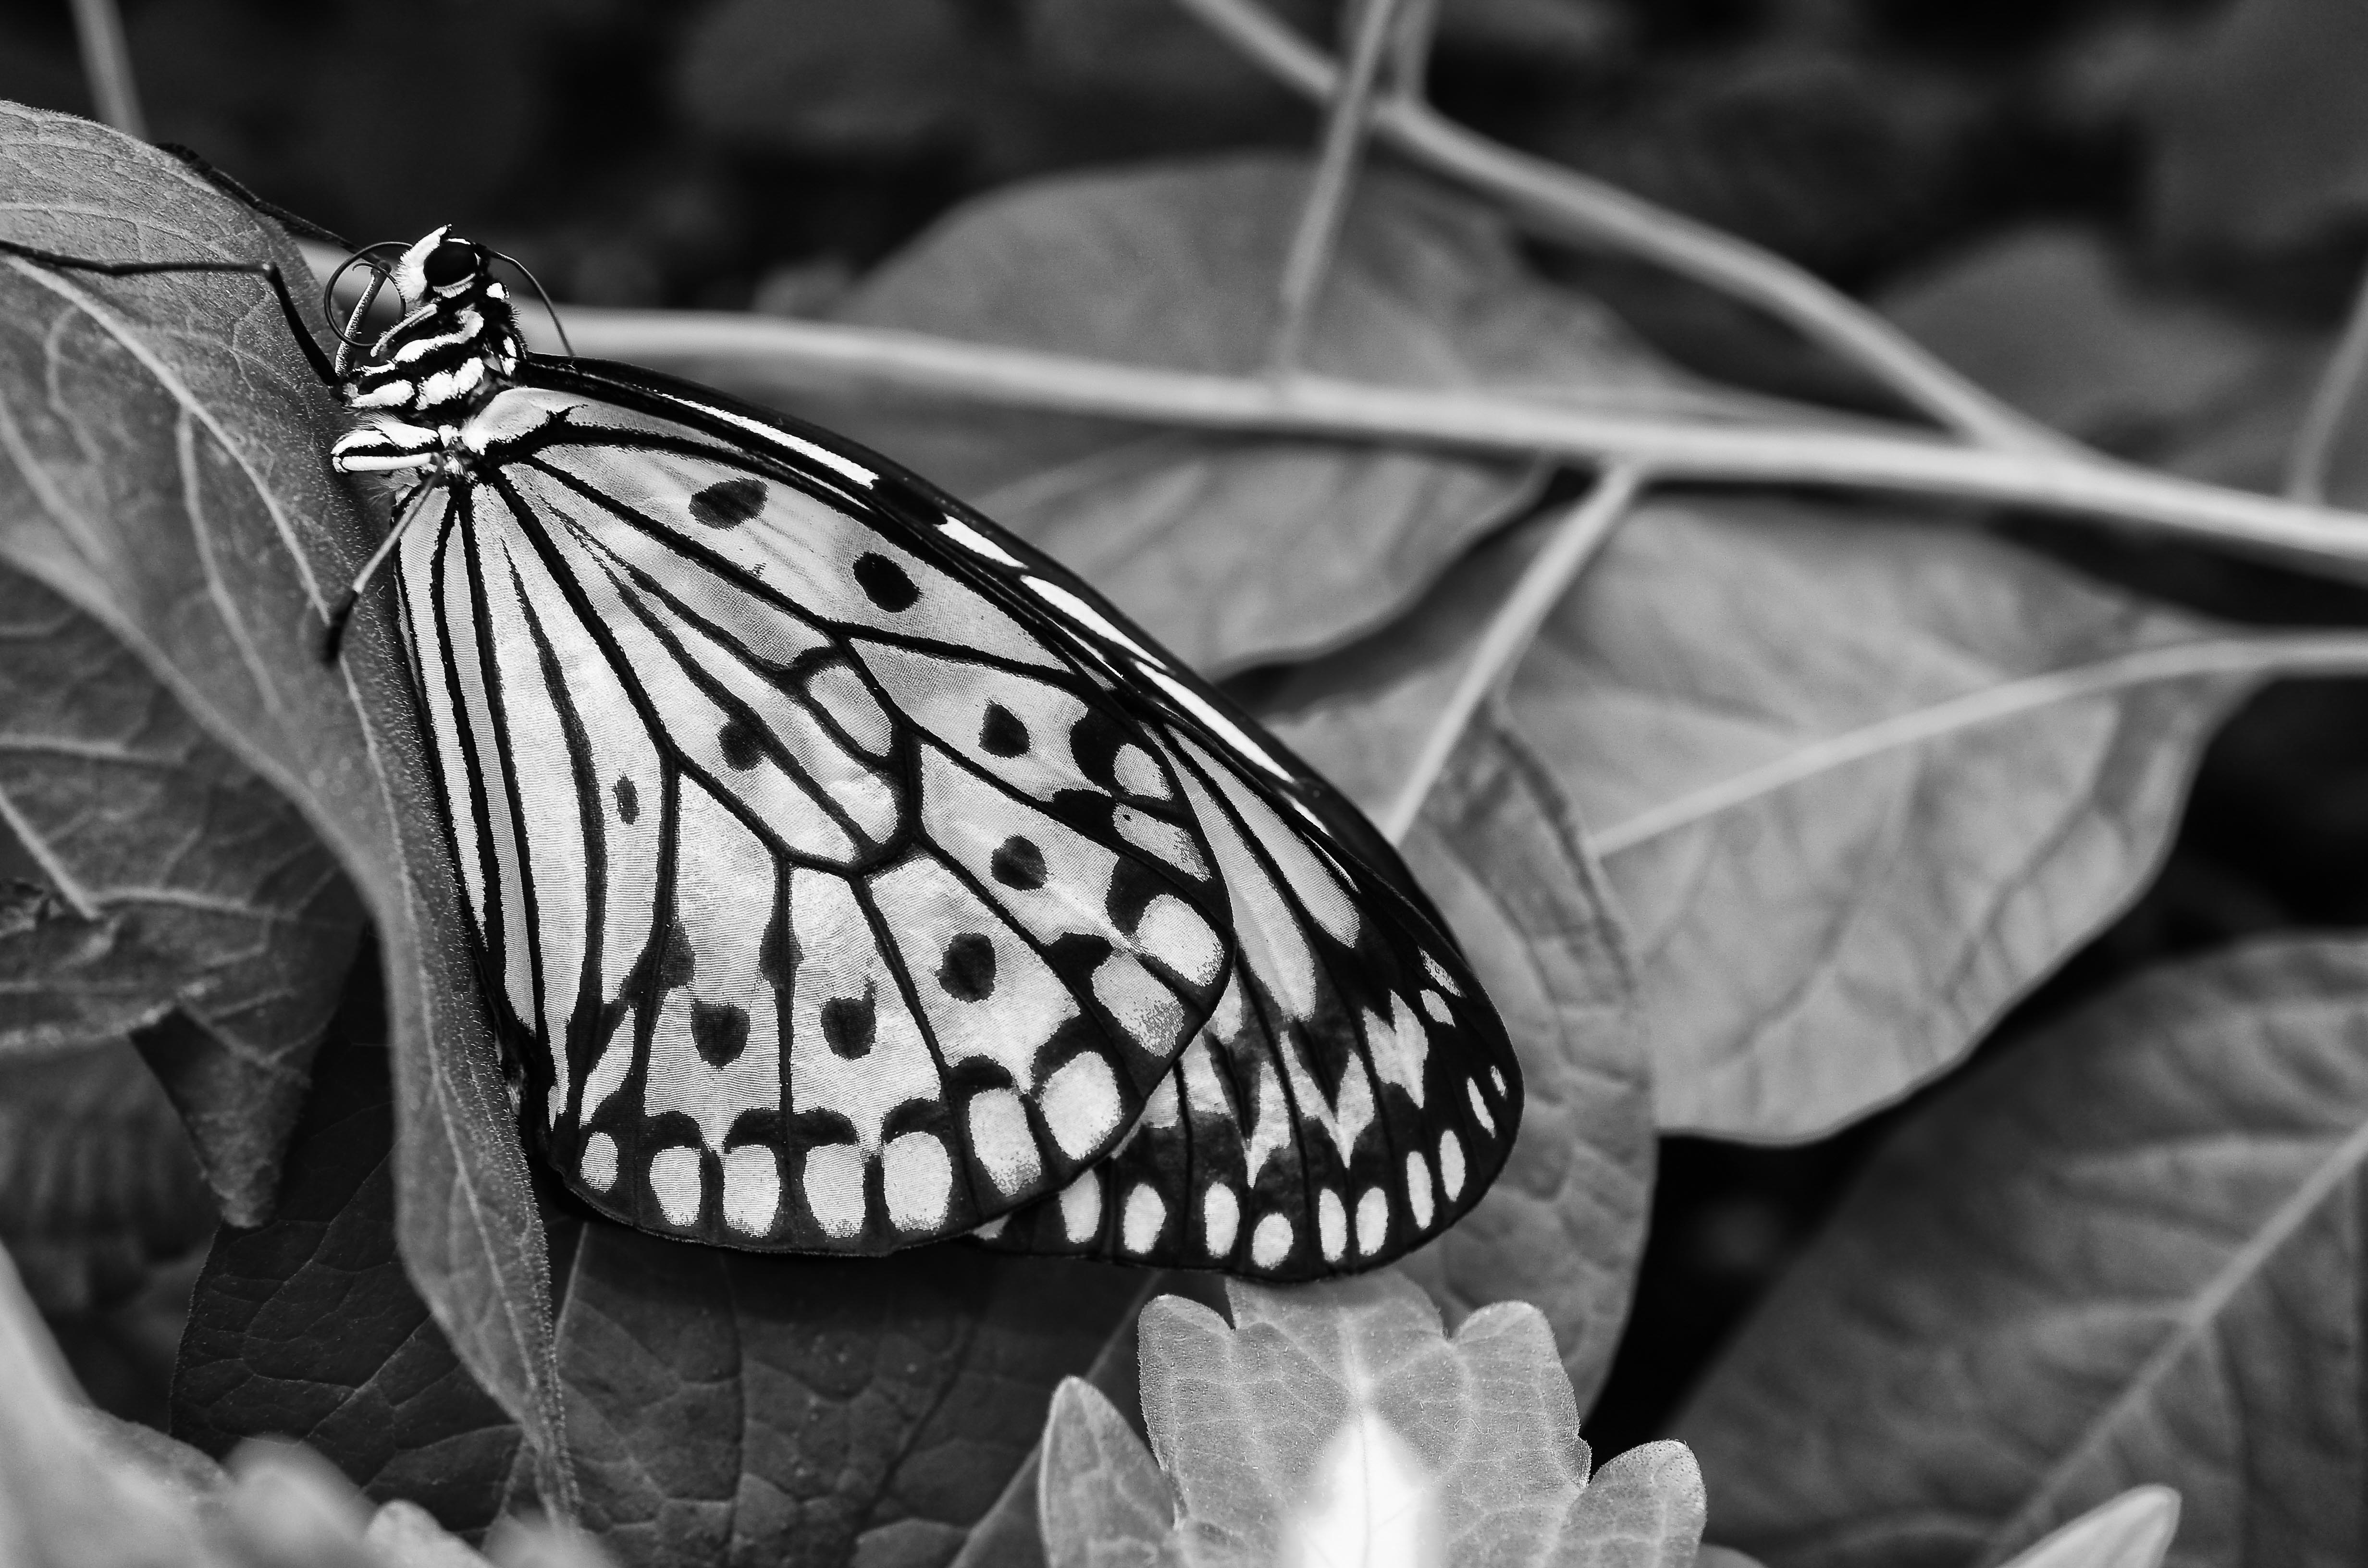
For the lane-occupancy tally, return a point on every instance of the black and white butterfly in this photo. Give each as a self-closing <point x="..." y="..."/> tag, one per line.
<point x="846" y="875"/>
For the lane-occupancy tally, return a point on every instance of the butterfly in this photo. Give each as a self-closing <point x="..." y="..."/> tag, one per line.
<point x="843" y="873"/>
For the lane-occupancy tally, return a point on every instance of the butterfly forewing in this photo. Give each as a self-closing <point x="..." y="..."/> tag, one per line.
<point x="841" y="910"/>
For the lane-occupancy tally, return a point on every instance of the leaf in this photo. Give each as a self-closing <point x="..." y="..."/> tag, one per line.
<point x="1563" y="1227"/>
<point x="2129" y="1252"/>
<point x="1337" y="1423"/>
<point x="2050" y="319"/>
<point x="165" y="472"/>
<point x="1237" y="551"/>
<point x="1858" y="782"/>
<point x="2258" y="136"/>
<point x="1102" y="1498"/>
<point x="735" y="1406"/>
<point x="2133" y="1530"/>
<point x="96" y="1178"/>
<point x="177" y="889"/>
<point x="309" y="1327"/>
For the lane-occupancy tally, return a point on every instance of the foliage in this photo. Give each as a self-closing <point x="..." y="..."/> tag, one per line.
<point x="1859" y="748"/>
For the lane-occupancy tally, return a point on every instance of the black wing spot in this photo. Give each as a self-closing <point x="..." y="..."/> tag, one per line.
<point x="1018" y="863"/>
<point x="728" y="502"/>
<point x="677" y="959"/>
<point x="743" y="747"/>
<point x="1133" y="886"/>
<point x="888" y="584"/>
<point x="1003" y="734"/>
<point x="720" y="1030"/>
<point x="968" y="973"/>
<point x="848" y="1023"/>
<point x="629" y="799"/>
<point x="1093" y="741"/>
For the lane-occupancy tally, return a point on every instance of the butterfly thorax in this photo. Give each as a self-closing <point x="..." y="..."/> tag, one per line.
<point x="417" y="383"/>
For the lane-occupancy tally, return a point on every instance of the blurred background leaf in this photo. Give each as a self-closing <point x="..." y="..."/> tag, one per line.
<point x="2127" y="1250"/>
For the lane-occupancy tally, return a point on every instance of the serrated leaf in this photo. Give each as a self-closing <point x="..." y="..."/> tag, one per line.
<point x="1858" y="782"/>
<point x="308" y="1327"/>
<point x="96" y="1178"/>
<point x="165" y="472"/>
<point x="1338" y="1424"/>
<point x="184" y="896"/>
<point x="1238" y="550"/>
<point x="2133" y="1530"/>
<point x="1100" y="1496"/>
<point x="2128" y="1252"/>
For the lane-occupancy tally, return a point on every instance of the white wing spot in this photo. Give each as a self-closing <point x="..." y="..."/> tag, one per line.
<point x="1270" y="1243"/>
<point x="675" y="1182"/>
<point x="977" y="543"/>
<point x="834" y="1188"/>
<point x="822" y="455"/>
<point x="1224" y="729"/>
<point x="1143" y="1008"/>
<point x="1451" y="1165"/>
<point x="918" y="1179"/>
<point x="1221" y="1218"/>
<point x="1175" y="933"/>
<point x="1084" y="614"/>
<point x="993" y="1228"/>
<point x="1145" y="1213"/>
<point x="1373" y="1221"/>
<point x="1480" y="1107"/>
<point x="1436" y="1006"/>
<point x="1331" y="1225"/>
<point x="1081" y="1208"/>
<point x="1162" y="840"/>
<point x="1081" y="1104"/>
<point x="600" y="1162"/>
<point x="1438" y="972"/>
<point x="1138" y="774"/>
<point x="1001" y="1141"/>
<point x="1418" y="1190"/>
<point x="1496" y="1076"/>
<point x="752" y="1189"/>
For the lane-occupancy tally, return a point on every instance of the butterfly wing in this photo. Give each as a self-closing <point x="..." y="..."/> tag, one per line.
<point x="855" y="876"/>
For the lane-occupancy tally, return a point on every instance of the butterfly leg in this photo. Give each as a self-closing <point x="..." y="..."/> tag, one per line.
<point x="267" y="270"/>
<point x="333" y="636"/>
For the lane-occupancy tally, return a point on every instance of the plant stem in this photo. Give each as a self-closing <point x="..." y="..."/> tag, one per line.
<point x="1575" y="542"/>
<point x="1565" y="204"/>
<point x="803" y="357"/>
<point x="1310" y="257"/>
<point x="107" y="64"/>
<point x="2330" y="401"/>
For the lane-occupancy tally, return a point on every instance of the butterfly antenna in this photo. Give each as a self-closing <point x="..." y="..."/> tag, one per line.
<point x="333" y="637"/>
<point x="557" y="325"/>
<point x="366" y="256"/>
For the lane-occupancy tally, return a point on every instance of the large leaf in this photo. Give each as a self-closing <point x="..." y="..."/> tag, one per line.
<point x="175" y="885"/>
<point x="163" y="469"/>
<point x="1237" y="551"/>
<point x="1336" y="1424"/>
<point x="1858" y="782"/>
<point x="309" y="1328"/>
<point x="2128" y="1252"/>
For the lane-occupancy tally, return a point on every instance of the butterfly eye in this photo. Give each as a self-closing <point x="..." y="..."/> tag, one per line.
<point x="454" y="261"/>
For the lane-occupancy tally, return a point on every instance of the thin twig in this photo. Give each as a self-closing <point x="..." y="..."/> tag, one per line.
<point x="788" y="356"/>
<point x="2338" y="383"/>
<point x="107" y="63"/>
<point x="1318" y="234"/>
<point x="1576" y="540"/>
<point x="2288" y="654"/>
<point x="1563" y="203"/>
<point x="1409" y="71"/>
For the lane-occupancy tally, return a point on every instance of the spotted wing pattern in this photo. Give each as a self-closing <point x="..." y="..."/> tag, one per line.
<point x="835" y="912"/>
<point x="855" y="877"/>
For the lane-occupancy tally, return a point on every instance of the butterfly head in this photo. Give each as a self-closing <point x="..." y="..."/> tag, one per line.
<point x="440" y="265"/>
